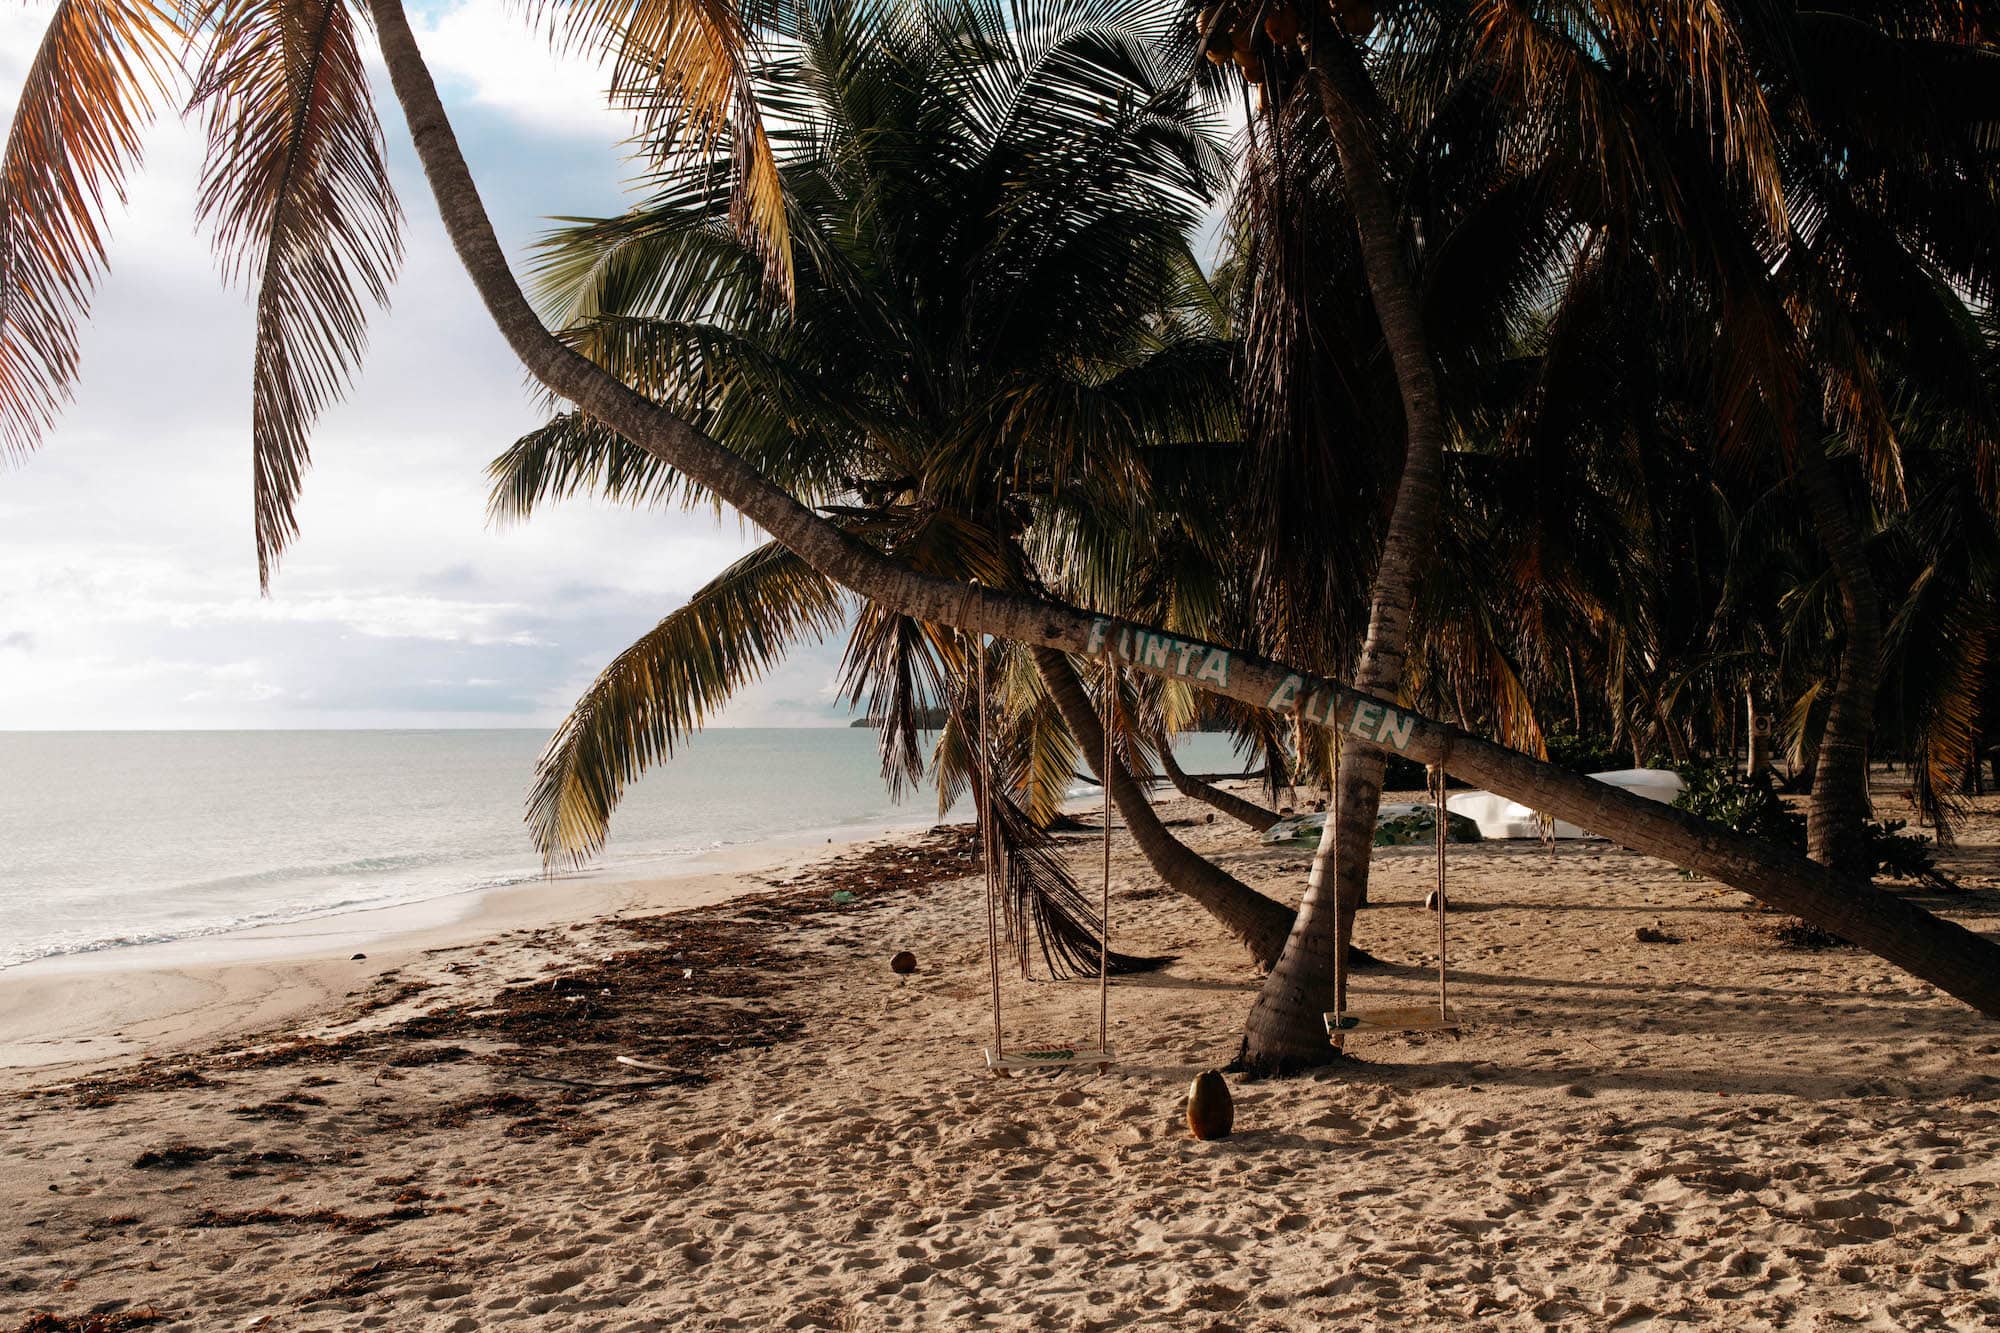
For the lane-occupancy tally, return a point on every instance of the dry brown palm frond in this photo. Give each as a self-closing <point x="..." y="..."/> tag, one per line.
<point x="94" y="86"/>
<point x="683" y="67"/>
<point x="1590" y="53"/>
<point x="298" y="200"/>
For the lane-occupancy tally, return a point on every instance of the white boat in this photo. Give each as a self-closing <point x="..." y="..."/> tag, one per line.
<point x="1499" y="817"/>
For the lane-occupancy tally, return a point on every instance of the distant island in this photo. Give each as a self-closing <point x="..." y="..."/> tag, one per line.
<point x="930" y="719"/>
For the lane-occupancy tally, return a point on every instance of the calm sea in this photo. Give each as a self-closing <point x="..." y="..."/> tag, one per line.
<point x="117" y="838"/>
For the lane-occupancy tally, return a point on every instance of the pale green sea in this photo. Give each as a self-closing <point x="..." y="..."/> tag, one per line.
<point x="118" y="838"/>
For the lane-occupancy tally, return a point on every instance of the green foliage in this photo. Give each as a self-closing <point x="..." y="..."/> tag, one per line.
<point x="1420" y="829"/>
<point x="1581" y="752"/>
<point x="1900" y="855"/>
<point x="1716" y="792"/>
<point x="1414" y="829"/>
<point x="996" y="360"/>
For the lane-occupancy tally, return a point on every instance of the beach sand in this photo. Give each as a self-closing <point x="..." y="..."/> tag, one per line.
<point x="1710" y="1132"/>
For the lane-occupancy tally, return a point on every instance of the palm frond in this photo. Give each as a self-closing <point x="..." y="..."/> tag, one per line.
<point x="296" y="194"/>
<point x="664" y="687"/>
<point x="684" y="68"/>
<point x="93" y="87"/>
<point x="572" y="454"/>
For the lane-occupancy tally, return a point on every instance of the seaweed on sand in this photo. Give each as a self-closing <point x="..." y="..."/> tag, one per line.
<point x="48" y="1321"/>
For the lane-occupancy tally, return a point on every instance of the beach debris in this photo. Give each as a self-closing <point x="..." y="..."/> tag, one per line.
<point x="1211" y="1111"/>
<point x="213" y="1219"/>
<point x="1655" y="934"/>
<point x="842" y="897"/>
<point x="363" y="1280"/>
<point x="173" y="1157"/>
<point x="356" y="958"/>
<point x="96" y="1321"/>
<point x="903" y="963"/>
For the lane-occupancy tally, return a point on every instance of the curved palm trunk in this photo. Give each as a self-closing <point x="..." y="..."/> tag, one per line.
<point x="1236" y="807"/>
<point x="1941" y="952"/>
<point x="1261" y="923"/>
<point x="1285" y="1030"/>
<point x="1838" y="810"/>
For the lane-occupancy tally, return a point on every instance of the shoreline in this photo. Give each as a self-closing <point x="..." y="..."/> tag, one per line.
<point x="65" y="1014"/>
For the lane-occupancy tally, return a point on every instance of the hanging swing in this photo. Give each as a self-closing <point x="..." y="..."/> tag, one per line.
<point x="1342" y="1022"/>
<point x="999" y="1059"/>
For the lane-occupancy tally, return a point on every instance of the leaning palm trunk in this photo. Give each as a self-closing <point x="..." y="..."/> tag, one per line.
<point x="1284" y="1030"/>
<point x="1837" y="814"/>
<point x="1940" y="951"/>
<point x="1228" y="802"/>
<point x="1261" y="923"/>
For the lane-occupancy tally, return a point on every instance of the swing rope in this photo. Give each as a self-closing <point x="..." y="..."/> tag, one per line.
<point x="985" y="767"/>
<point x="1047" y="1057"/>
<point x="1437" y="778"/>
<point x="1343" y="923"/>
<point x="1104" y="917"/>
<point x="1340" y="1022"/>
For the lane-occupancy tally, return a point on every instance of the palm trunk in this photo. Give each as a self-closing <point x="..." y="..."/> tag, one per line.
<point x="1838" y="811"/>
<point x="1260" y="922"/>
<point x="1941" y="952"/>
<point x="1284" y="1030"/>
<point x="1236" y="807"/>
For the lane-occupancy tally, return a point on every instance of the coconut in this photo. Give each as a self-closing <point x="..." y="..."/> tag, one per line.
<point x="1211" y="1113"/>
<point x="1282" y="25"/>
<point x="903" y="963"/>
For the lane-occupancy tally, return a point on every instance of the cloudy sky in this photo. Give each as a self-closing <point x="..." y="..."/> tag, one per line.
<point x="128" y="583"/>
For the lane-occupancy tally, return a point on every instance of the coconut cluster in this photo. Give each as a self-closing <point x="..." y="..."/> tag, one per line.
<point x="1251" y="33"/>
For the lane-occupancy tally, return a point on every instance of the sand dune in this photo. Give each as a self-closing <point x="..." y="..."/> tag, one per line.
<point x="1710" y="1133"/>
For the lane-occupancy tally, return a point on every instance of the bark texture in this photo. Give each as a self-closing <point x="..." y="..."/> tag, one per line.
<point x="1285" y="1030"/>
<point x="1261" y="922"/>
<point x="1941" y="952"/>
<point x="1839" y="808"/>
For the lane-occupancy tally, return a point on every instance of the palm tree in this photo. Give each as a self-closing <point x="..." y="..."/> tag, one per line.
<point x="1544" y="121"/>
<point x="997" y="342"/>
<point x="89" y="113"/>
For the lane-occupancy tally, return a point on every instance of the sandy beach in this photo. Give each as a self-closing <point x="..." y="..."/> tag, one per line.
<point x="1710" y="1131"/>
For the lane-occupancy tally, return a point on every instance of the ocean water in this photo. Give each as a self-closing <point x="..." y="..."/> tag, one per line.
<point x="118" y="838"/>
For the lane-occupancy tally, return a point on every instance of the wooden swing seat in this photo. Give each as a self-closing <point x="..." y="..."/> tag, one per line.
<point x="1399" y="1018"/>
<point x="1048" y="1057"/>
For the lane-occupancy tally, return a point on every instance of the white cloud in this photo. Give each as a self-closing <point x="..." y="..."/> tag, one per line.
<point x="488" y="56"/>
<point x="127" y="582"/>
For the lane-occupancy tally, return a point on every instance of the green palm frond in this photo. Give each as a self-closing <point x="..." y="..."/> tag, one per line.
<point x="664" y="687"/>
<point x="575" y="454"/>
